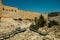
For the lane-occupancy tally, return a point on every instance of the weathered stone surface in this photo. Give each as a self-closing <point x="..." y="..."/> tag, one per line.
<point x="53" y="33"/>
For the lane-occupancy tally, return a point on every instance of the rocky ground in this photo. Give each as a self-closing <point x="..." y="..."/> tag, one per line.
<point x="8" y="25"/>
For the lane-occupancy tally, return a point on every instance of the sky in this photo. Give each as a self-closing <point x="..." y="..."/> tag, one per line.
<point x="40" y="6"/>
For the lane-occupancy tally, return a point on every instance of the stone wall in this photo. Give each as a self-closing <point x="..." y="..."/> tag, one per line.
<point x="8" y="11"/>
<point x="13" y="12"/>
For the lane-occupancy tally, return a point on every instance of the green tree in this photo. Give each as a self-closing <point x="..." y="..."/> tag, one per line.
<point x="41" y="21"/>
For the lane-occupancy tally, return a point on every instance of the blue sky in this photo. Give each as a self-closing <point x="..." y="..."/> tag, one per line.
<point x="42" y="6"/>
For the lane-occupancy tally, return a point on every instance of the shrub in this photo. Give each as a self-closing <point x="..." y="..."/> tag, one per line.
<point x="52" y="23"/>
<point x="15" y="19"/>
<point x="39" y="23"/>
<point x="33" y="27"/>
<point x="53" y="14"/>
<point x="36" y="20"/>
<point x="29" y="19"/>
<point x="20" y="19"/>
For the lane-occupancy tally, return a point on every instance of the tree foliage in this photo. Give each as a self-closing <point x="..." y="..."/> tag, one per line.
<point x="41" y="21"/>
<point x="38" y="23"/>
<point x="52" y="23"/>
<point x="33" y="27"/>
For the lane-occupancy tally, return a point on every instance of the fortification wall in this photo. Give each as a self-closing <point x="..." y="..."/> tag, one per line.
<point x="26" y="14"/>
<point x="8" y="11"/>
<point x="12" y="12"/>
